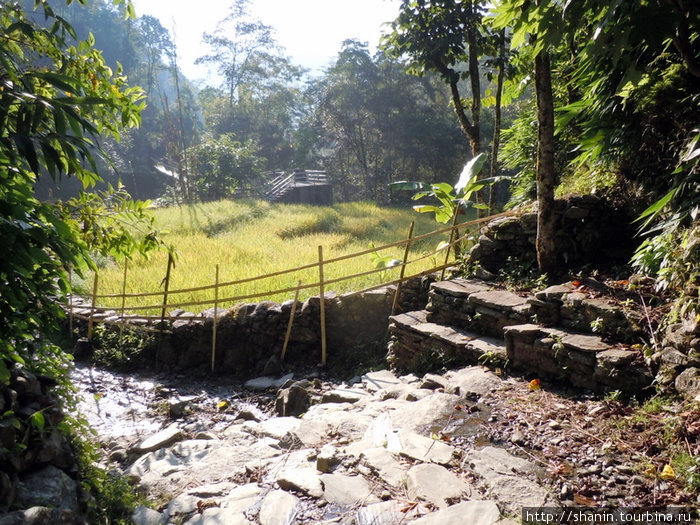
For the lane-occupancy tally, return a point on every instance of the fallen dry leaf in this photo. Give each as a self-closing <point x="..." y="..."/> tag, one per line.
<point x="580" y="499"/>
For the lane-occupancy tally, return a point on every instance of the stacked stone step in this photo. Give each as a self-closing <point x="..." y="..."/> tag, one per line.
<point x="469" y="321"/>
<point x="418" y="345"/>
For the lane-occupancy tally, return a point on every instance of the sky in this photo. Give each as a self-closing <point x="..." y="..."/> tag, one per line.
<point x="311" y="31"/>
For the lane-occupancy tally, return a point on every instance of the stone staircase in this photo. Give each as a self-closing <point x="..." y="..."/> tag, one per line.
<point x="470" y="321"/>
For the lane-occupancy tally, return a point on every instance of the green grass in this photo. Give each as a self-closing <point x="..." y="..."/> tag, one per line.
<point x="250" y="238"/>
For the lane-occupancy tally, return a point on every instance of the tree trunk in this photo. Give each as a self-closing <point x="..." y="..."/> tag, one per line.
<point x="471" y="131"/>
<point x="546" y="226"/>
<point x="475" y="82"/>
<point x="497" y="121"/>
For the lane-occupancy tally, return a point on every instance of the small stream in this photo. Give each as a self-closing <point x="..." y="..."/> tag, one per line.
<point x="132" y="406"/>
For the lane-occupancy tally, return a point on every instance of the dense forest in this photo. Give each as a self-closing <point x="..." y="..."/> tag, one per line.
<point x="364" y="120"/>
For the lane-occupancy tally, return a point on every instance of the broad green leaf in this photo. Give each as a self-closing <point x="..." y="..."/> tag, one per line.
<point x="471" y="171"/>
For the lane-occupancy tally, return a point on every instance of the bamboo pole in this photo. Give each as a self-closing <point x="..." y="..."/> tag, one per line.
<point x="167" y="287"/>
<point x="291" y="322"/>
<point x="452" y="236"/>
<point x="323" y="305"/>
<point x="164" y="307"/>
<point x="403" y="269"/>
<point x="216" y="318"/>
<point x="121" y="314"/>
<point x="92" y="308"/>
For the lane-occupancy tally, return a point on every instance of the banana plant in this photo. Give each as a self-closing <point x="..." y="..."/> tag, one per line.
<point x="451" y="198"/>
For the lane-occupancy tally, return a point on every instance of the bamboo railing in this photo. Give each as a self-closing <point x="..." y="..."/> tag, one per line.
<point x="127" y="315"/>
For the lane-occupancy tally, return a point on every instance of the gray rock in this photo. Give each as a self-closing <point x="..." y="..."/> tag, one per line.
<point x="375" y="381"/>
<point x="145" y="516"/>
<point x="242" y="498"/>
<point x="41" y="516"/>
<point x="178" y="406"/>
<point x="346" y="490"/>
<point x="425" y="449"/>
<point x="436" y="485"/>
<point x="343" y="395"/>
<point x="306" y="434"/>
<point x="327" y="458"/>
<point x="211" y="490"/>
<point x="162" y="439"/>
<point x="433" y="382"/>
<point x="278" y="508"/>
<point x="475" y="380"/>
<point x="426" y="413"/>
<point x="275" y="427"/>
<point x="383" y="463"/>
<point x="471" y="512"/>
<point x="385" y="513"/>
<point x="688" y="383"/>
<point x="304" y="480"/>
<point x="183" y="505"/>
<point x="216" y="516"/>
<point x="259" y="384"/>
<point x="292" y="401"/>
<point x="506" y="479"/>
<point x="50" y="487"/>
<point x="490" y="462"/>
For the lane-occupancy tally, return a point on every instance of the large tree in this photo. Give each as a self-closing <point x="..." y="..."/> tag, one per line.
<point x="239" y="44"/>
<point x="58" y="99"/>
<point x="376" y="124"/>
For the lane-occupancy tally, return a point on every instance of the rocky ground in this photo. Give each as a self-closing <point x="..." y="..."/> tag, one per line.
<point x="468" y="446"/>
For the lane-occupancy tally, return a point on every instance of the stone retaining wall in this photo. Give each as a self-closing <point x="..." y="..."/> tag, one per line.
<point x="588" y="230"/>
<point x="250" y="336"/>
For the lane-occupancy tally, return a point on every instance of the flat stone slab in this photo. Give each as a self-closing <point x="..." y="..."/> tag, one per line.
<point x="259" y="384"/>
<point x="507" y="479"/>
<point x="344" y="395"/>
<point x="375" y="381"/>
<point x="498" y="299"/>
<point x="425" y="449"/>
<point x="489" y="462"/>
<point x="585" y="343"/>
<point x="385" y="513"/>
<point x="216" y="516"/>
<point x="385" y="465"/>
<point x="164" y="438"/>
<point x="278" y="508"/>
<point x="346" y="490"/>
<point x="304" y="480"/>
<point x="410" y="318"/>
<point x="436" y="485"/>
<point x="459" y="287"/>
<point x="471" y="512"/>
<point x="474" y="379"/>
<point x="430" y="411"/>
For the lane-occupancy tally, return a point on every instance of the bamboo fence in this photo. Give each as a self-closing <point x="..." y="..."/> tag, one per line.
<point x="128" y="316"/>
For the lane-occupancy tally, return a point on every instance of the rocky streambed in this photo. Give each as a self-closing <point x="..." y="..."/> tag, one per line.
<point x="467" y="446"/>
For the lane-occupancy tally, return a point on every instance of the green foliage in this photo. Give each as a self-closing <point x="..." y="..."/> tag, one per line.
<point x="113" y="498"/>
<point x="126" y="349"/>
<point x="450" y="198"/>
<point x="522" y="274"/>
<point x="372" y="123"/>
<point x="220" y="166"/>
